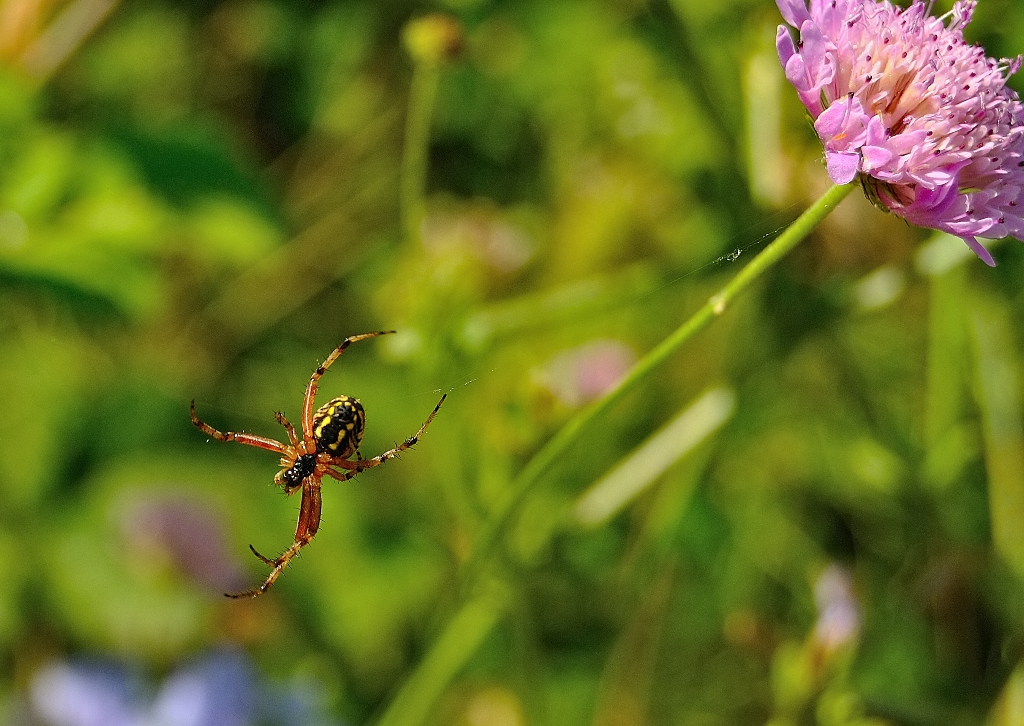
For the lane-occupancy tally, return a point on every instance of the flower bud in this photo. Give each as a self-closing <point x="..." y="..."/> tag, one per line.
<point x="433" y="39"/>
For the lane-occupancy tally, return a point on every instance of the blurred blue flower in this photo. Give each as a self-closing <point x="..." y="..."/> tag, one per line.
<point x="220" y="689"/>
<point x="86" y="694"/>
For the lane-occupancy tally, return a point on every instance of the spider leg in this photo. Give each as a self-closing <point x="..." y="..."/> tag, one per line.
<point x="340" y="475"/>
<point x="307" y="404"/>
<point x="292" y="437"/>
<point x="361" y="464"/>
<point x="278" y="564"/>
<point x="248" y="439"/>
<point x="306" y="528"/>
<point x="309" y="509"/>
<point x="351" y="465"/>
<point x="264" y="560"/>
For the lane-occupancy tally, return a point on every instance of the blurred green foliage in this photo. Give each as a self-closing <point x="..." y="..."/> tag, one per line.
<point x="200" y="200"/>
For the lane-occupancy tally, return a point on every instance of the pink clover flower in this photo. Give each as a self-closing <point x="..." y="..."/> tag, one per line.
<point x="924" y="119"/>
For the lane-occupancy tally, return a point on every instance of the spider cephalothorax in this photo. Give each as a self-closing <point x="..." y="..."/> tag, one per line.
<point x="295" y="471"/>
<point x="330" y="438"/>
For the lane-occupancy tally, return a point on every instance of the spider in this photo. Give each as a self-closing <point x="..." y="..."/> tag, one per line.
<point x="330" y="438"/>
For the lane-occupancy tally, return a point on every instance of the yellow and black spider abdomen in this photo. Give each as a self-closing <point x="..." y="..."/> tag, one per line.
<point x="338" y="427"/>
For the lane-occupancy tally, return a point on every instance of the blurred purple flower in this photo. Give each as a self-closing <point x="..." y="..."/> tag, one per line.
<point x="924" y="118"/>
<point x="838" y="610"/>
<point x="480" y="230"/>
<point x="183" y="530"/>
<point x="584" y="373"/>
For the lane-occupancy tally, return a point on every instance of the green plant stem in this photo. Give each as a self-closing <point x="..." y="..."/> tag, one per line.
<point x="556" y="447"/>
<point x="422" y="93"/>
<point x="456" y="644"/>
<point x="473" y="622"/>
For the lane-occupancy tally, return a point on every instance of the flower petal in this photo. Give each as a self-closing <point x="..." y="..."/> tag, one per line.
<point x="842" y="167"/>
<point x="784" y="45"/>
<point x="875" y="157"/>
<point x="980" y="251"/>
<point x="794" y="11"/>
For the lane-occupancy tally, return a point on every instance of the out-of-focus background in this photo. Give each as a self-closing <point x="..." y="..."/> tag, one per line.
<point x="810" y="515"/>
